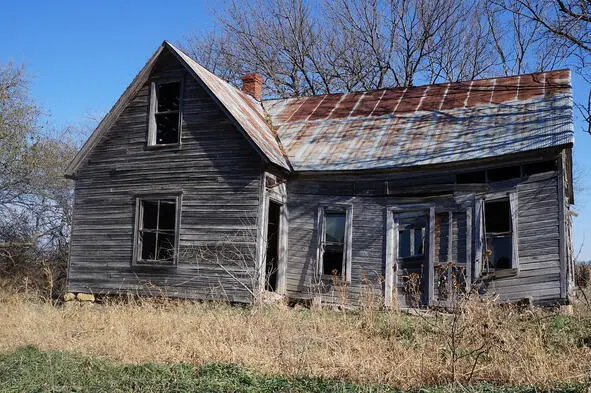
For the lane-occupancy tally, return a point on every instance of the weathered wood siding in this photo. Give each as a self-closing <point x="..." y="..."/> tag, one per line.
<point x="219" y="175"/>
<point x="370" y="195"/>
<point x="539" y="243"/>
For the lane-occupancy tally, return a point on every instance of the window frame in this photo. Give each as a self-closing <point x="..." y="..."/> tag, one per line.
<point x="412" y="239"/>
<point x="137" y="245"/>
<point x="511" y="198"/>
<point x="153" y="111"/>
<point x="347" y="245"/>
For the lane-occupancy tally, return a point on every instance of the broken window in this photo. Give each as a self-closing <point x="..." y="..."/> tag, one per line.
<point x="411" y="235"/>
<point x="539" y="167"/>
<point x="499" y="234"/>
<point x="165" y="114"/>
<point x="506" y="173"/>
<point x="157" y="230"/>
<point x="471" y="177"/>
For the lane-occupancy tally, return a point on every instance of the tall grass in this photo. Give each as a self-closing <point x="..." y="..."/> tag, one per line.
<point x="524" y="347"/>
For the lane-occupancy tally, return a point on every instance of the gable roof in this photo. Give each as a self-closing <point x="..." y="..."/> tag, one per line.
<point x="242" y="109"/>
<point x="424" y="125"/>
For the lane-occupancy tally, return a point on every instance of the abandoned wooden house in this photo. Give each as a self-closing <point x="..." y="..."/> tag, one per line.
<point x="192" y="187"/>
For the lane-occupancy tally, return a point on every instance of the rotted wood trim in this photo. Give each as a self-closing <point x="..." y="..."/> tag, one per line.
<point x="261" y="235"/>
<point x="469" y="242"/>
<point x="391" y="241"/>
<point x="283" y="249"/>
<point x="431" y="260"/>
<point x="562" y="227"/>
<point x="514" y="206"/>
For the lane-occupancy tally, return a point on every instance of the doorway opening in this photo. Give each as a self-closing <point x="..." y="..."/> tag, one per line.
<point x="272" y="259"/>
<point x="412" y="257"/>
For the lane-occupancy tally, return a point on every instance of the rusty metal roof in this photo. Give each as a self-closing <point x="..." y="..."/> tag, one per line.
<point x="425" y="125"/>
<point x="247" y="112"/>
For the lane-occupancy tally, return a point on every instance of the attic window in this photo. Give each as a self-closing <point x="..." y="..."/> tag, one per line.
<point x="165" y="110"/>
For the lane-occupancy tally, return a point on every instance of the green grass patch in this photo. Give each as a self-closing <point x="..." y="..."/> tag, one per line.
<point x="31" y="370"/>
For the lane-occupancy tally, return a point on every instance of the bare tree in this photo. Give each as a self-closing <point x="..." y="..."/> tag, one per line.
<point x="563" y="30"/>
<point x="35" y="198"/>
<point x="304" y="48"/>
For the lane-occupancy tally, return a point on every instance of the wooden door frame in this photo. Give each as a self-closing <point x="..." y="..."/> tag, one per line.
<point x="392" y="246"/>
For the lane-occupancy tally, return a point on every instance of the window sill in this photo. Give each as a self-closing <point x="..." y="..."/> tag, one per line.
<point x="501" y="273"/>
<point x="167" y="146"/>
<point x="153" y="264"/>
<point x="330" y="278"/>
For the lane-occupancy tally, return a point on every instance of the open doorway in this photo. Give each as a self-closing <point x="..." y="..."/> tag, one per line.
<point x="411" y="256"/>
<point x="272" y="259"/>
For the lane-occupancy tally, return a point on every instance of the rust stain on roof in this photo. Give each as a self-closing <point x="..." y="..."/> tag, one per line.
<point x="423" y="125"/>
<point x="247" y="112"/>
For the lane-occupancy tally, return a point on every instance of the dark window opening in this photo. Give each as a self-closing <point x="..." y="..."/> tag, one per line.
<point x="539" y="167"/>
<point x="411" y="242"/>
<point x="411" y="234"/>
<point x="157" y="232"/>
<point x="334" y="243"/>
<point x="507" y="173"/>
<point x="272" y="259"/>
<point x="471" y="177"/>
<point x="167" y="114"/>
<point x="499" y="237"/>
<point x="168" y="97"/>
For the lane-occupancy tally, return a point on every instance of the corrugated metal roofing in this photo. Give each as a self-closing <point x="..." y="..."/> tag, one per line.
<point x="424" y="125"/>
<point x="245" y="110"/>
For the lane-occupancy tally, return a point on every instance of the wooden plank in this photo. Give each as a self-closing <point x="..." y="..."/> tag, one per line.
<point x="469" y="243"/>
<point x="562" y="226"/>
<point x="431" y="258"/>
<point x="391" y="241"/>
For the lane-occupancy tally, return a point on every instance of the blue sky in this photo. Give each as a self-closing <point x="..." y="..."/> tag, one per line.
<point x="82" y="55"/>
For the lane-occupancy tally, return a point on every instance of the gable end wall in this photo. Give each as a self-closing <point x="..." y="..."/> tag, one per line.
<point x="219" y="174"/>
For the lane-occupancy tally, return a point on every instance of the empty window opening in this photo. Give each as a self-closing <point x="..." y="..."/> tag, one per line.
<point x="499" y="237"/>
<point x="272" y="259"/>
<point x="507" y="173"/>
<point x="157" y="231"/>
<point x="334" y="243"/>
<point x="411" y="235"/>
<point x="166" y="113"/>
<point x="471" y="177"/>
<point x="539" y="167"/>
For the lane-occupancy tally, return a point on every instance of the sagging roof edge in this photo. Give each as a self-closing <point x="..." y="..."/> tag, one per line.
<point x="475" y="164"/>
<point x="130" y="92"/>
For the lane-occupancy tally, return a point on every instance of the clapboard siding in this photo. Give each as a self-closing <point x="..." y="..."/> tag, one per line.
<point x="539" y="243"/>
<point x="370" y="196"/>
<point x="219" y="175"/>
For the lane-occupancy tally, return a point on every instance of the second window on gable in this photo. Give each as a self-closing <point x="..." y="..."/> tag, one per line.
<point x="165" y="113"/>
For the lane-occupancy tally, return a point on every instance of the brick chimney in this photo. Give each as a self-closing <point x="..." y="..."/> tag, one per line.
<point x="253" y="84"/>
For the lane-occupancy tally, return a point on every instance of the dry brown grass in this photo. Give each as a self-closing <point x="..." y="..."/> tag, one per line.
<point x="531" y="347"/>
